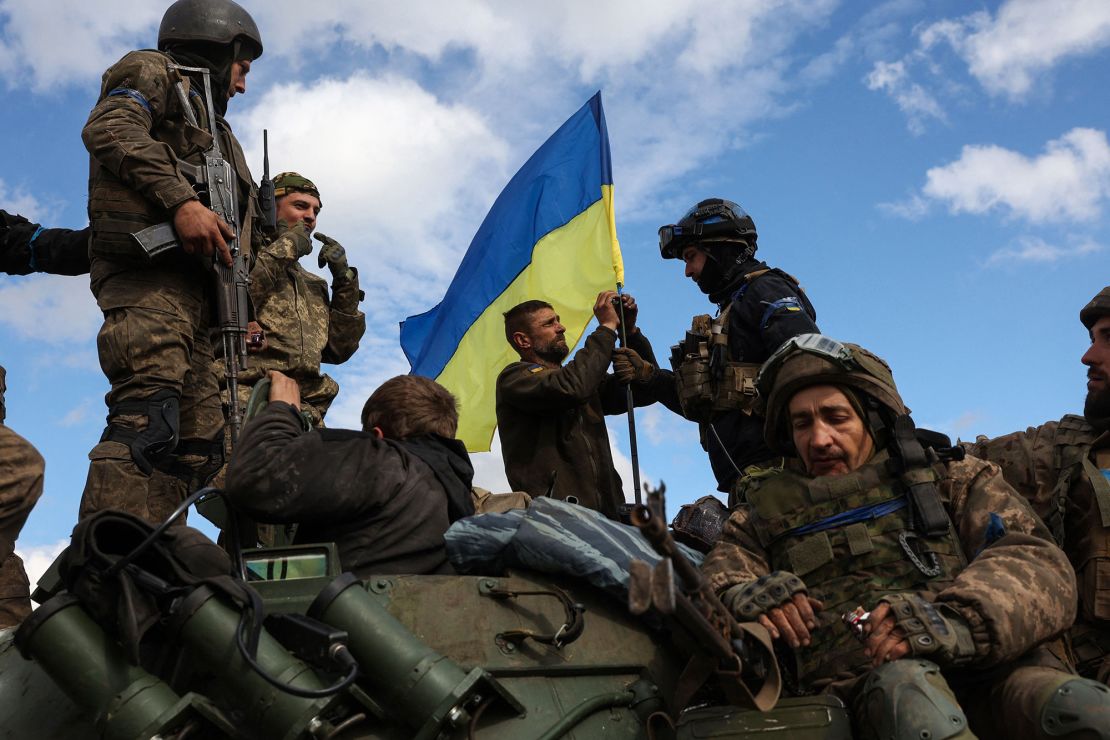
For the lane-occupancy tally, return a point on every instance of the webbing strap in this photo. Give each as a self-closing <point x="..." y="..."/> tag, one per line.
<point x="844" y="518"/>
<point x="929" y="516"/>
<point x="1100" y="484"/>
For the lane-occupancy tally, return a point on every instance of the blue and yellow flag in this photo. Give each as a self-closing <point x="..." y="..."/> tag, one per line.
<point x="551" y="235"/>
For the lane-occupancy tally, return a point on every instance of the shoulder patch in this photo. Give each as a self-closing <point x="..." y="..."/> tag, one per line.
<point x="789" y="304"/>
<point x="534" y="368"/>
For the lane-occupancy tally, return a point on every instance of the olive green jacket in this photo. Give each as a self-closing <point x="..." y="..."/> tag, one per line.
<point x="552" y="423"/>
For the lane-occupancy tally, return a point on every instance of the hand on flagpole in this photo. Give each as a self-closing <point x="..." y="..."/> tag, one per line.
<point x="631" y="310"/>
<point x="605" y="310"/>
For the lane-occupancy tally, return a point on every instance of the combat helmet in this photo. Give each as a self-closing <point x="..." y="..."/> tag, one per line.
<point x="815" y="359"/>
<point x="1098" y="307"/>
<point x="711" y="221"/>
<point x="212" y="21"/>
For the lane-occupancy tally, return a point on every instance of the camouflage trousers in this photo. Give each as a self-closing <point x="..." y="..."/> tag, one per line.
<point x="1005" y="702"/>
<point x="21" y="473"/>
<point x="155" y="337"/>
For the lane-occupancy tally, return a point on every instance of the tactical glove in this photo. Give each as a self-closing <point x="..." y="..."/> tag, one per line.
<point x="933" y="630"/>
<point x="334" y="256"/>
<point x="292" y="242"/>
<point x="629" y="367"/>
<point x="748" y="601"/>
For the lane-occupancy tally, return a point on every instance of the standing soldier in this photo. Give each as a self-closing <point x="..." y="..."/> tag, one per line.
<point x="760" y="307"/>
<point x="21" y="470"/>
<point x="303" y="325"/>
<point x="1062" y="468"/>
<point x="165" y="425"/>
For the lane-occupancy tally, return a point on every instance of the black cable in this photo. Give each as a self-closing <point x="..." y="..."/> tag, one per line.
<point x="341" y="654"/>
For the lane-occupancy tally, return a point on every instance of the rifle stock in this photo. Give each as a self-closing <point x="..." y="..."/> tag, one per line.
<point x="728" y="648"/>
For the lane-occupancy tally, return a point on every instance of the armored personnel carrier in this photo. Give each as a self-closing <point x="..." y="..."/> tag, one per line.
<point x="516" y="655"/>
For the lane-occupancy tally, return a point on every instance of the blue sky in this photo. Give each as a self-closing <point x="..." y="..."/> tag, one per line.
<point x="936" y="174"/>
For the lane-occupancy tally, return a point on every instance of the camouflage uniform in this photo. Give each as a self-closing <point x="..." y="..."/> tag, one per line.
<point x="21" y="471"/>
<point x="1004" y="586"/>
<point x="154" y="345"/>
<point x="1060" y="467"/>
<point x="303" y="326"/>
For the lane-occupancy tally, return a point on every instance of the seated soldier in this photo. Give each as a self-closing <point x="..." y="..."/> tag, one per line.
<point x="961" y="579"/>
<point x="384" y="495"/>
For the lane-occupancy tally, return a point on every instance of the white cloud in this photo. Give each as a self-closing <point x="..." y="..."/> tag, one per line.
<point x="17" y="200"/>
<point x="1068" y="182"/>
<point x="913" y="208"/>
<point x="489" y="468"/>
<point x="402" y="176"/>
<point x="1035" y="249"/>
<point x="1008" y="53"/>
<point x="1026" y="38"/>
<point x="65" y="41"/>
<point x="37" y="558"/>
<point x="49" y="308"/>
<point x="79" y="413"/>
<point x="918" y="105"/>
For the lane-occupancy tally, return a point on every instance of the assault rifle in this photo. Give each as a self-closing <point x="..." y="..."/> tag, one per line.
<point x="215" y="185"/>
<point x="724" y="649"/>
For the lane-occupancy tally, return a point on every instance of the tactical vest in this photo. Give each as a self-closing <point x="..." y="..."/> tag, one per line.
<point x="1083" y="487"/>
<point x="117" y="210"/>
<point x="707" y="378"/>
<point x="849" y="538"/>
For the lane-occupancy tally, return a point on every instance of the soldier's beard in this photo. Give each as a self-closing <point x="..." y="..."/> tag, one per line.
<point x="1096" y="409"/>
<point x="556" y="351"/>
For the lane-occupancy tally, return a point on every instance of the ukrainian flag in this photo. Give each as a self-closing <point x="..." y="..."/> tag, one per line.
<point x="550" y="235"/>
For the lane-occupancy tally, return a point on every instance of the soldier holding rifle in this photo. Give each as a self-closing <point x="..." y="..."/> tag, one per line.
<point x="162" y="153"/>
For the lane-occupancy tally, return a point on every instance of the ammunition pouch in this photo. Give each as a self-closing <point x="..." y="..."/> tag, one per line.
<point x="747" y="601"/>
<point x="932" y="629"/>
<point x="707" y="382"/>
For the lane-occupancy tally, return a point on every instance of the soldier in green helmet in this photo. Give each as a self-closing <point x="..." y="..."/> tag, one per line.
<point x="305" y="325"/>
<point x="896" y="574"/>
<point x="1062" y="467"/>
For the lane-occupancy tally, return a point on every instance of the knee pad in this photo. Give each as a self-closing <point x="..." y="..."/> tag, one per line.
<point x="1078" y="710"/>
<point x="155" y="443"/>
<point x="909" y="700"/>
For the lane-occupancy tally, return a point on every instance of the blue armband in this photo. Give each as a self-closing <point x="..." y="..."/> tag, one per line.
<point x="135" y="95"/>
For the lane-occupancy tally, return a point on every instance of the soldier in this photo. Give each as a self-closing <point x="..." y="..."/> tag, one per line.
<point x="961" y="579"/>
<point x="27" y="247"/>
<point x="1061" y="468"/>
<point x="552" y="416"/>
<point x="165" y="424"/>
<point x="384" y="495"/>
<point x="21" y="471"/>
<point x="715" y="367"/>
<point x="303" y="326"/>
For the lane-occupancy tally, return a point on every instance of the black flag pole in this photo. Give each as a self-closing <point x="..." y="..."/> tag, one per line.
<point x="631" y="408"/>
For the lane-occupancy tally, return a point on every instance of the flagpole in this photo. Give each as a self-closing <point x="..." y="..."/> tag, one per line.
<point x="631" y="408"/>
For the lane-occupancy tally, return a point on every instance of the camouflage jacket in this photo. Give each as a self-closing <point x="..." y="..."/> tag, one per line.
<point x="1058" y="467"/>
<point x="303" y="325"/>
<point x="144" y="153"/>
<point x="1015" y="591"/>
<point x="385" y="503"/>
<point x="552" y="423"/>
